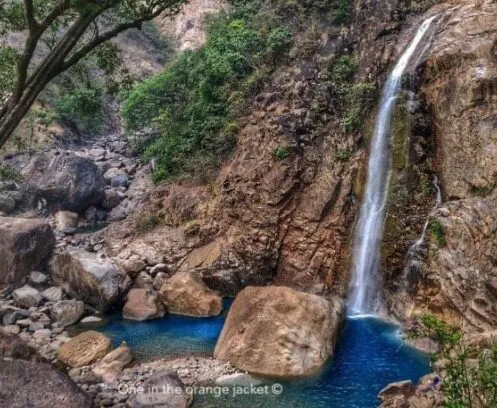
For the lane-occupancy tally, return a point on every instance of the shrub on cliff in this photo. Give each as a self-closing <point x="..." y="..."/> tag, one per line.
<point x="194" y="100"/>
<point x="469" y="374"/>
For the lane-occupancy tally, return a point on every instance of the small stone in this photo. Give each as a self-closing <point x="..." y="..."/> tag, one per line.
<point x="91" y="320"/>
<point x="24" y="322"/>
<point x="42" y="333"/>
<point x="36" y="326"/>
<point x="161" y="267"/>
<point x="14" y="315"/>
<point x="37" y="279"/>
<point x="12" y="329"/>
<point x="68" y="312"/>
<point x="53" y="294"/>
<point x="66" y="221"/>
<point x="26" y="297"/>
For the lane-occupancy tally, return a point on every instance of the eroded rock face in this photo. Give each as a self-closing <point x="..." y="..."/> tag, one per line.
<point x="278" y="331"/>
<point x="455" y="276"/>
<point x="25" y="246"/>
<point x="187" y="295"/>
<point x="40" y="385"/>
<point x="86" y="277"/>
<point x="84" y="349"/>
<point x="66" y="181"/>
<point x="187" y="29"/>
<point x="143" y="305"/>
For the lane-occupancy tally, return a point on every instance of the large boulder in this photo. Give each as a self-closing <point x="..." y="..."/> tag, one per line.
<point x="277" y="331"/>
<point x="143" y="305"/>
<point x="38" y="385"/>
<point x="67" y="312"/>
<point x="25" y="246"/>
<point x="84" y="349"/>
<point x="86" y="277"/>
<point x="163" y="389"/>
<point x="66" y="181"/>
<point x="187" y="295"/>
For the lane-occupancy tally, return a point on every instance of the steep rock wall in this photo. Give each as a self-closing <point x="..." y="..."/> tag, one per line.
<point x="457" y="278"/>
<point x="267" y="218"/>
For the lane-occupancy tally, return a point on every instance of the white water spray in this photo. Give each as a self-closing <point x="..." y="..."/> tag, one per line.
<point x="364" y="296"/>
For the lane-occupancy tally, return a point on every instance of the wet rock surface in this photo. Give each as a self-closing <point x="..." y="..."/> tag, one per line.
<point x="277" y="331"/>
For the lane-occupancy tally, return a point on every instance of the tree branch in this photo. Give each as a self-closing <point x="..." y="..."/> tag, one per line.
<point x="55" y="14"/>
<point x="31" y="22"/>
<point x="100" y="39"/>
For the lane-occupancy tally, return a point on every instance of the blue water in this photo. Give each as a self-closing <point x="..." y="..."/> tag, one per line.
<point x="369" y="355"/>
<point x="173" y="335"/>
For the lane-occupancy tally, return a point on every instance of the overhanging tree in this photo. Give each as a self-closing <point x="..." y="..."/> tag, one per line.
<point x="59" y="34"/>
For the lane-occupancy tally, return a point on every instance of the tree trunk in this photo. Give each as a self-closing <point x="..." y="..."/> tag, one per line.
<point x="52" y="66"/>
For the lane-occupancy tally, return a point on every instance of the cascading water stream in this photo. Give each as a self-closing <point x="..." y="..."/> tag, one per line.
<point x="414" y="253"/>
<point x="364" y="297"/>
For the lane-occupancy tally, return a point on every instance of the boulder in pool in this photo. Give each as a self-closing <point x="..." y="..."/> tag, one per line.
<point x="278" y="331"/>
<point x="84" y="349"/>
<point x="142" y="305"/>
<point x="188" y="295"/>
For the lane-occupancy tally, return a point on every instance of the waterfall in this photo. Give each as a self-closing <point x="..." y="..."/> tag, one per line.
<point x="364" y="297"/>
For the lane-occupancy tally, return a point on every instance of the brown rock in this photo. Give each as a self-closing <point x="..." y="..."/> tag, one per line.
<point x="393" y="390"/>
<point x="38" y="385"/>
<point x="143" y="305"/>
<point x="25" y="246"/>
<point x="187" y="295"/>
<point x="66" y="221"/>
<point x="278" y="331"/>
<point x="113" y="363"/>
<point x="84" y="349"/>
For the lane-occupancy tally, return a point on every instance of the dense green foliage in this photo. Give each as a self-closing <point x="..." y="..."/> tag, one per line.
<point x="470" y="374"/>
<point x="195" y="101"/>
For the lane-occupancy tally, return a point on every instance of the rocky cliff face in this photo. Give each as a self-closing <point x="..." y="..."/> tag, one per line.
<point x="457" y="277"/>
<point x="283" y="209"/>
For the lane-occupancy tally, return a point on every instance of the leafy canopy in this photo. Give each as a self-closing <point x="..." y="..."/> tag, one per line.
<point x="55" y="36"/>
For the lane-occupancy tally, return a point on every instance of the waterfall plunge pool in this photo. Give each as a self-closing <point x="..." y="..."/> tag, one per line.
<point x="369" y="355"/>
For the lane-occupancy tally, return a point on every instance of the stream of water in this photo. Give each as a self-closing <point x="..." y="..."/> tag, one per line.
<point x="365" y="297"/>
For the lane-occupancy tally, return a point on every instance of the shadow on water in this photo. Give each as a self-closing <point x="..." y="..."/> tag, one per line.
<point x="369" y="355"/>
